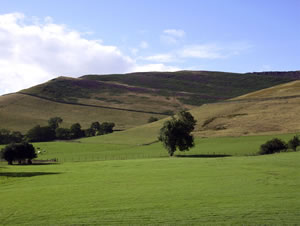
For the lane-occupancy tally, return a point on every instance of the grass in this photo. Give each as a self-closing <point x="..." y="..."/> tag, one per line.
<point x="93" y="149"/>
<point x="20" y="112"/>
<point x="170" y="191"/>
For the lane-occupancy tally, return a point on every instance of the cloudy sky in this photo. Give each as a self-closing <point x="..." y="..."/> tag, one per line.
<point x="40" y="40"/>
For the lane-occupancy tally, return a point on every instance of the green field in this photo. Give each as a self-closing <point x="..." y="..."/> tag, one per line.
<point x="95" y="148"/>
<point x="184" y="191"/>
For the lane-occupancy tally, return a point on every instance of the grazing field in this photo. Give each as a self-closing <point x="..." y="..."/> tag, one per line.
<point x="89" y="150"/>
<point x="234" y="190"/>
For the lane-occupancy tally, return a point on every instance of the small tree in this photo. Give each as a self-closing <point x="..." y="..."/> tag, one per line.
<point x="294" y="143"/>
<point x="273" y="146"/>
<point x="54" y="122"/>
<point x="63" y="133"/>
<point x="76" y="131"/>
<point x="152" y="119"/>
<point x="38" y="133"/>
<point x="95" y="127"/>
<point x="106" y="127"/>
<point x="176" y="133"/>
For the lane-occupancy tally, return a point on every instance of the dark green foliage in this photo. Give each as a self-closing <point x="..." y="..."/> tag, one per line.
<point x="152" y="119"/>
<point x="7" y="136"/>
<point x="18" y="152"/>
<point x="273" y="146"/>
<point x="106" y="127"/>
<point x="294" y="143"/>
<point x="89" y="132"/>
<point x="54" y="122"/>
<point x="176" y="133"/>
<point x="63" y="133"/>
<point x="95" y="127"/>
<point x="76" y="131"/>
<point x="38" y="134"/>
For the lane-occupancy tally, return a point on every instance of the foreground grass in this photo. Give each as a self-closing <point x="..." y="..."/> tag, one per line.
<point x="234" y="190"/>
<point x="92" y="149"/>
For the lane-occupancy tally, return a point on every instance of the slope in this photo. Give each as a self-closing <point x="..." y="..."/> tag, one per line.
<point x="128" y="100"/>
<point x="237" y="117"/>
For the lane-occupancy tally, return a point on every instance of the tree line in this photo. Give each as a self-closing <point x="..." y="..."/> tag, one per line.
<point x="53" y="131"/>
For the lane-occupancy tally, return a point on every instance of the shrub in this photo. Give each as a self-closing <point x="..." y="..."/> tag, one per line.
<point x="152" y="119"/>
<point x="273" y="146"/>
<point x="294" y="143"/>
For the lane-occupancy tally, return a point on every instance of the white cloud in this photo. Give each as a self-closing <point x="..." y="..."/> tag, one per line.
<point x="155" y="67"/>
<point x="213" y="51"/>
<point x="172" y="36"/>
<point x="33" y="53"/>
<point x="160" y="58"/>
<point x="175" y="32"/>
<point x="202" y="51"/>
<point x="144" y="45"/>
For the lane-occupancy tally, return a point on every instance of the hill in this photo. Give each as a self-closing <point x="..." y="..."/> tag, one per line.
<point x="266" y="114"/>
<point x="128" y="99"/>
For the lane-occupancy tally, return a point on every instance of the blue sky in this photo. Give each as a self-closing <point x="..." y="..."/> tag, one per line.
<point x="44" y="39"/>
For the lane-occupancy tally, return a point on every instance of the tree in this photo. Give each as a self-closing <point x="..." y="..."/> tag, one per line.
<point x="106" y="127"/>
<point x="273" y="146"/>
<point x="4" y="136"/>
<point x="294" y="143"/>
<point x="18" y="152"/>
<point x="152" y="119"/>
<point x="95" y="127"/>
<point x="76" y="131"/>
<point x="63" y="133"/>
<point x="54" y="122"/>
<point x="176" y="133"/>
<point x="7" y="136"/>
<point x="38" y="133"/>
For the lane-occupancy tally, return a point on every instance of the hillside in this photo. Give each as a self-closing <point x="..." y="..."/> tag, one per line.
<point x="236" y="117"/>
<point x="128" y="99"/>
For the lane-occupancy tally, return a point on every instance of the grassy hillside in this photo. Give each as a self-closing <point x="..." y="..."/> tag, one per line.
<point x="261" y="190"/>
<point x="22" y="112"/>
<point x="128" y="100"/>
<point x="262" y="116"/>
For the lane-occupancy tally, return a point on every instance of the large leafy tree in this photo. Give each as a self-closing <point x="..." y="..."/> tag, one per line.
<point x="18" y="152"/>
<point x="176" y="133"/>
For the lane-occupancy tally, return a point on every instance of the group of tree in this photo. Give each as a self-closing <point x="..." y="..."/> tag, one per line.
<point x="21" y="152"/>
<point x="7" y="136"/>
<point x="277" y="145"/>
<point x="176" y="133"/>
<point x="53" y="131"/>
<point x="97" y="129"/>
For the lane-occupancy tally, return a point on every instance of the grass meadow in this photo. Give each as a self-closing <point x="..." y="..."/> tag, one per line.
<point x="171" y="191"/>
<point x="120" y="148"/>
<point x="125" y="184"/>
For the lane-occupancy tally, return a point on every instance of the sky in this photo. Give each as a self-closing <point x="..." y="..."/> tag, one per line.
<point x="41" y="40"/>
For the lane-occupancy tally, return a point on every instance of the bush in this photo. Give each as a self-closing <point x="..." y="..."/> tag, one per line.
<point x="294" y="143"/>
<point x="152" y="119"/>
<point x="273" y="146"/>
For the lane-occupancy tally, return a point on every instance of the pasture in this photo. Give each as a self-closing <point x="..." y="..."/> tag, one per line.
<point x="118" y="147"/>
<point x="233" y="190"/>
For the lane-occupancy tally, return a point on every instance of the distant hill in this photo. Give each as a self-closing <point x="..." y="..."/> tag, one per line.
<point x="274" y="110"/>
<point x="128" y="99"/>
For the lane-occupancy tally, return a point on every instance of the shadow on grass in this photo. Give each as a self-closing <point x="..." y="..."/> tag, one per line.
<point x="203" y="156"/>
<point x="25" y="174"/>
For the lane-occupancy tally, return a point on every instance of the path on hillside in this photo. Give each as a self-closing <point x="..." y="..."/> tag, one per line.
<point x="91" y="105"/>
